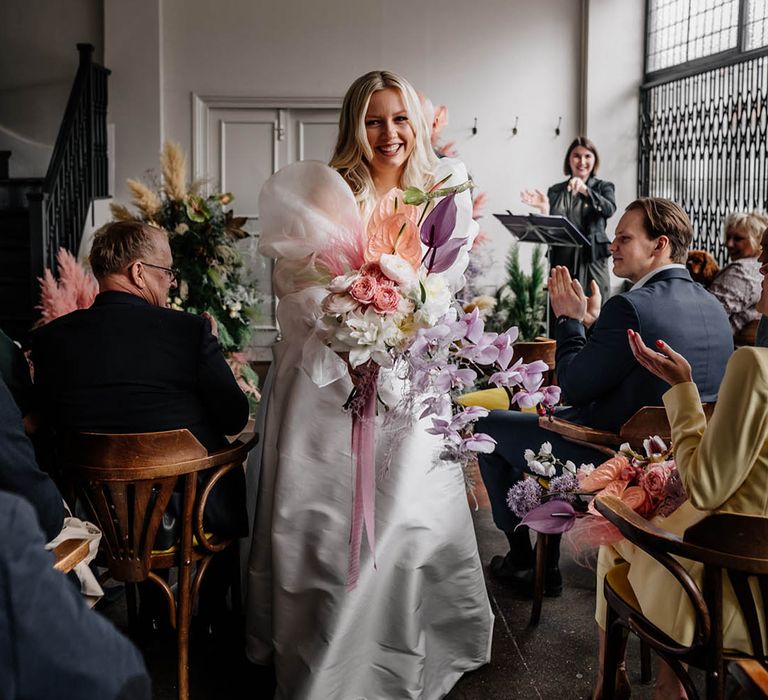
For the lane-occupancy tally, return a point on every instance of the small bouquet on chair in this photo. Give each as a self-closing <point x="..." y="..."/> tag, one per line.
<point x="649" y="484"/>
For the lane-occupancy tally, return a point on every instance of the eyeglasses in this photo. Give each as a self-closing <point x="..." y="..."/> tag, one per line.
<point x="171" y="271"/>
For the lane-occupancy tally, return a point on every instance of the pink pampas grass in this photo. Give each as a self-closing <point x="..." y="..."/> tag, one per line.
<point x="75" y="289"/>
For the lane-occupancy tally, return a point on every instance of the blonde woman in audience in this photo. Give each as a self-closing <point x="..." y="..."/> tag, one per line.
<point x="737" y="285"/>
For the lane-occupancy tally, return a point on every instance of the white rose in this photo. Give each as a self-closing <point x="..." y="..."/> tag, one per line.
<point x="342" y="283"/>
<point x="398" y="270"/>
<point x="338" y="304"/>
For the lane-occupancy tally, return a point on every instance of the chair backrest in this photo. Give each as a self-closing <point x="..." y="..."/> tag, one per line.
<point x="725" y="543"/>
<point x="649" y="421"/>
<point x="747" y="335"/>
<point x="127" y="481"/>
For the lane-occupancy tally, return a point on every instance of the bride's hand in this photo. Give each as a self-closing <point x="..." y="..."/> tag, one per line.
<point x="666" y="364"/>
<point x="537" y="199"/>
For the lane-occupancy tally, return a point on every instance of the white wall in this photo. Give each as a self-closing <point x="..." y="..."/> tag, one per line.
<point x="490" y="59"/>
<point x="38" y="63"/>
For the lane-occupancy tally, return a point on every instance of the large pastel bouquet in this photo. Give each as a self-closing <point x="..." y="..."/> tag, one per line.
<point x="383" y="294"/>
<point x="648" y="483"/>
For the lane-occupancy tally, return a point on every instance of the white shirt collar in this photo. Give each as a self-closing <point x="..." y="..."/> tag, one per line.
<point x="653" y="273"/>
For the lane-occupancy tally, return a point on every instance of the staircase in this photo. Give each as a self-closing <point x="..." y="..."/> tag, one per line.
<point x="39" y="215"/>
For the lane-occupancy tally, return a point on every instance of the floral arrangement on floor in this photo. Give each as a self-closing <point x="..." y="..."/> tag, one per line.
<point x="649" y="484"/>
<point x="203" y="235"/>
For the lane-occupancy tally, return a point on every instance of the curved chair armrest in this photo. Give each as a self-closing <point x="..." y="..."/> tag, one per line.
<point x="661" y="545"/>
<point x="224" y="460"/>
<point x="600" y="440"/>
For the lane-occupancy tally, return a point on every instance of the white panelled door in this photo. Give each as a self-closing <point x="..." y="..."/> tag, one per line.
<point x="239" y="143"/>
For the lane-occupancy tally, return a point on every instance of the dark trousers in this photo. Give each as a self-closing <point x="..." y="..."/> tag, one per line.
<point x="514" y="433"/>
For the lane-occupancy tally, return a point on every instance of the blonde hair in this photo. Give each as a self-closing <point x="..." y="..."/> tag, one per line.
<point x="752" y="223"/>
<point x="352" y="154"/>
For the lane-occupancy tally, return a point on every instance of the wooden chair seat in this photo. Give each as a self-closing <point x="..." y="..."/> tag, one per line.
<point x="730" y="546"/>
<point x="126" y="482"/>
<point x="752" y="676"/>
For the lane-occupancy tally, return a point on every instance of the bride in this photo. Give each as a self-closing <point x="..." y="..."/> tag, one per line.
<point x="419" y="616"/>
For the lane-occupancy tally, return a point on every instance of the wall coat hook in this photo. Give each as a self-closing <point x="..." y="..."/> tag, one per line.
<point x="474" y="128"/>
<point x="514" y="128"/>
<point x="557" y="128"/>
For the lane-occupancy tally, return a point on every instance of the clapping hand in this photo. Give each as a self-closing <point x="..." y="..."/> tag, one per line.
<point x="577" y="186"/>
<point x="537" y="199"/>
<point x="212" y="321"/>
<point x="566" y="295"/>
<point x="666" y="364"/>
<point x="594" y="303"/>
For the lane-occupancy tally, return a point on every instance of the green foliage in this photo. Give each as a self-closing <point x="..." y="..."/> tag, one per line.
<point x="203" y="238"/>
<point x="521" y="300"/>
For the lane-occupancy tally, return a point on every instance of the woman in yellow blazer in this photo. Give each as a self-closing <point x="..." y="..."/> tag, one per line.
<point x="724" y="466"/>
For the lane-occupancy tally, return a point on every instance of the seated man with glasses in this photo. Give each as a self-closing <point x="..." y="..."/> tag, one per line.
<point x="129" y="364"/>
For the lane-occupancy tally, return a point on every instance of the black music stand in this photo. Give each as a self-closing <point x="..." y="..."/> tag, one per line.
<point x="551" y="231"/>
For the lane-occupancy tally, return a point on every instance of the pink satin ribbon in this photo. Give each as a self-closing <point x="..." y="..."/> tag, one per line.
<point x="364" y="460"/>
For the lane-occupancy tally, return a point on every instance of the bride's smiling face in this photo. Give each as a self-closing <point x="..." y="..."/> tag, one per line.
<point x="389" y="132"/>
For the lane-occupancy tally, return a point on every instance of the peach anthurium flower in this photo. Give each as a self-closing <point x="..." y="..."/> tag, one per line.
<point x="397" y="234"/>
<point x="612" y="488"/>
<point x="393" y="228"/>
<point x="608" y="472"/>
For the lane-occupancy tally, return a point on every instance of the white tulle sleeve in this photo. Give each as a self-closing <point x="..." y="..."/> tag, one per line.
<point x="466" y="226"/>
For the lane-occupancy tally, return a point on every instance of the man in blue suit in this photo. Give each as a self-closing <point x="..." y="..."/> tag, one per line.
<point x="602" y="383"/>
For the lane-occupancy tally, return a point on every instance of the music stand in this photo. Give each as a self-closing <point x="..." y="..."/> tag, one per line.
<point x="551" y="231"/>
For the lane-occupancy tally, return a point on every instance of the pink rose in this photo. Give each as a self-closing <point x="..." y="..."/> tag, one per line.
<point x="364" y="289"/>
<point x="654" y="481"/>
<point x="386" y="299"/>
<point x="630" y="472"/>
<point x="374" y="270"/>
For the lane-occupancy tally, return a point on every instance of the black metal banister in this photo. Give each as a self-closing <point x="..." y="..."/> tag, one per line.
<point x="78" y="172"/>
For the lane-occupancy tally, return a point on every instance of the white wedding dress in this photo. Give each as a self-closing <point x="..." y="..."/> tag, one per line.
<point x="421" y="618"/>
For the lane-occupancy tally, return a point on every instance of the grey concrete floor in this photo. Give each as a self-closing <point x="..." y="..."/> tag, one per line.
<point x="555" y="660"/>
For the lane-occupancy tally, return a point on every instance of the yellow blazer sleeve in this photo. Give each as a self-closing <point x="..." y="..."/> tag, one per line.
<point x="715" y="459"/>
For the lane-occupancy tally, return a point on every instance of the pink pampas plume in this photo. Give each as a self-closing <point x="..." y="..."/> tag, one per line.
<point x="75" y="289"/>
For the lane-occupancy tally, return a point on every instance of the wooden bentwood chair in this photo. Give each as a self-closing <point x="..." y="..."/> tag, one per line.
<point x="731" y="547"/>
<point x="126" y="482"/>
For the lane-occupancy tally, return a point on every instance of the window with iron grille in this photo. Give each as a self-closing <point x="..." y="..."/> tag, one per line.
<point x="704" y="111"/>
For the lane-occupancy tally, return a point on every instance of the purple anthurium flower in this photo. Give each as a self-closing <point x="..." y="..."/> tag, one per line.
<point x="551" y="518"/>
<point x="440" y="259"/>
<point x="451" y="377"/>
<point x="479" y="442"/>
<point x="438" y="227"/>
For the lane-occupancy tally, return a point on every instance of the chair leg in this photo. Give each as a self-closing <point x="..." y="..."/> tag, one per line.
<point x="131" y="604"/>
<point x="539" y="575"/>
<point x="183" y="620"/>
<point x="646" y="672"/>
<point x="615" y="644"/>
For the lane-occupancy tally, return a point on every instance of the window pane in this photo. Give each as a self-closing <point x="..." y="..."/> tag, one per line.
<point x="757" y="24"/>
<point x="684" y="30"/>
